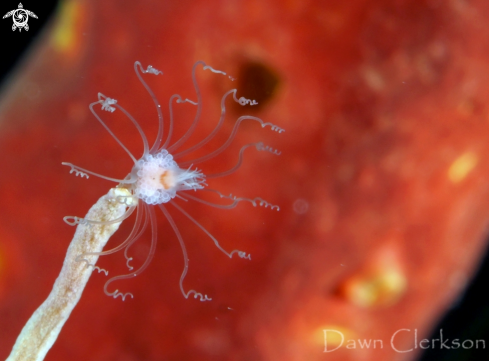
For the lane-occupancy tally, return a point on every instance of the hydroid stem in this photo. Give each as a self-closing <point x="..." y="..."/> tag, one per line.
<point x="42" y="329"/>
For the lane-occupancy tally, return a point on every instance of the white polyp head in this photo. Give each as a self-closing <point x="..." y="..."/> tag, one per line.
<point x="160" y="178"/>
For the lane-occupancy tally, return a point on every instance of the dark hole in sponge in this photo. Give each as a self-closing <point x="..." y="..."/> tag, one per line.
<point x="257" y="81"/>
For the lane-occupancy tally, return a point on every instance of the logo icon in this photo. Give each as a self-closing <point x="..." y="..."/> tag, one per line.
<point x="20" y="17"/>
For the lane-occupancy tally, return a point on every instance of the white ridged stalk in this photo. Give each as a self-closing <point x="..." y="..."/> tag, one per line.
<point x="42" y="329"/>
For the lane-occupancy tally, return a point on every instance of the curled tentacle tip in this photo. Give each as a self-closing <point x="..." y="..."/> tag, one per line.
<point x="99" y="269"/>
<point x="68" y="222"/>
<point x="152" y="70"/>
<point x="77" y="172"/>
<point x="116" y="294"/>
<point x="198" y="295"/>
<point x="107" y="104"/>
<point x="180" y="101"/>
<point x="202" y="298"/>
<point x="128" y="265"/>
<point x="212" y="69"/>
<point x="243" y="101"/>
<point x="73" y="220"/>
<point x="245" y="255"/>
<point x="262" y="147"/>
<point x="274" y="127"/>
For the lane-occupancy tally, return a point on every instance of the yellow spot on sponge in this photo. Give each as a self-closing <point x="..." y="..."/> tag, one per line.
<point x="66" y="34"/>
<point x="381" y="283"/>
<point x="382" y="289"/>
<point x="462" y="166"/>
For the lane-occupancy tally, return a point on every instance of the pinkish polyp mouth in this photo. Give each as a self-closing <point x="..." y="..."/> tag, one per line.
<point x="167" y="179"/>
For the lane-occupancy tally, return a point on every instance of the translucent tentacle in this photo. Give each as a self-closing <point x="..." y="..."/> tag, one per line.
<point x="231" y="138"/>
<point x="182" y="198"/>
<point x="214" y="132"/>
<point x="151" y="70"/>
<point x="243" y="100"/>
<point x="84" y="173"/>
<point x="208" y="67"/>
<point x="131" y="238"/>
<point x="198" y="295"/>
<point x="100" y="270"/>
<point x="150" y="211"/>
<point x="88" y="264"/>
<point x="106" y="105"/>
<point x="191" y="129"/>
<point x="109" y="104"/>
<point x="241" y="254"/>
<point x="185" y="196"/>
<point x="73" y="220"/>
<point x="138" y="127"/>
<point x="255" y="201"/>
<point x="259" y="146"/>
<point x="170" y="130"/>
<point x="136" y="237"/>
<point x="185" y="258"/>
<point x="78" y="172"/>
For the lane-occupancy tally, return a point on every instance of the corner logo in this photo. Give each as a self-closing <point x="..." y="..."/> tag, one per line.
<point x="20" y="17"/>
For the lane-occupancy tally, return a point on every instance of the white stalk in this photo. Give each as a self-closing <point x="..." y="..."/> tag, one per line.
<point x="42" y="329"/>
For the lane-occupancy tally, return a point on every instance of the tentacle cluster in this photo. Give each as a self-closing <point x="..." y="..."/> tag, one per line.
<point x="158" y="178"/>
